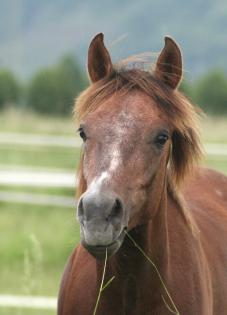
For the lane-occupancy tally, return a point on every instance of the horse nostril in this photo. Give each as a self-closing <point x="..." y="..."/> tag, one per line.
<point x="117" y="209"/>
<point x="80" y="211"/>
<point x="92" y="207"/>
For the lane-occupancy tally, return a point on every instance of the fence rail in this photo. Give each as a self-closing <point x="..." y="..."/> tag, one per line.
<point x="38" y="199"/>
<point x="216" y="149"/>
<point x="16" y="177"/>
<point x="34" y="302"/>
<point x="39" y="140"/>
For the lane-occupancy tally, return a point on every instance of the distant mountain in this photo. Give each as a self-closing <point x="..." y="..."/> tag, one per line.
<point x="36" y="33"/>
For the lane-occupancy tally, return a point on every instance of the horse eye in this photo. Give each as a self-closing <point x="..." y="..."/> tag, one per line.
<point x="161" y="139"/>
<point x="82" y="134"/>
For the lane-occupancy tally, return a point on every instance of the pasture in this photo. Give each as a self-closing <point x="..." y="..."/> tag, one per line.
<point x="36" y="240"/>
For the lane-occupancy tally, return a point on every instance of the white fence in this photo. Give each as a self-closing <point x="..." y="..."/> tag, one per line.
<point x="216" y="149"/>
<point x="32" y="302"/>
<point x="32" y="177"/>
<point x="39" y="140"/>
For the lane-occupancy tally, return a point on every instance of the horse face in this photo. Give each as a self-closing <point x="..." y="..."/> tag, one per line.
<point x="126" y="147"/>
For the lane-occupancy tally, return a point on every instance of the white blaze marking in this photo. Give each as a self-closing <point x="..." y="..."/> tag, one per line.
<point x="115" y="161"/>
<point x="106" y="175"/>
<point x="116" y="156"/>
<point x="96" y="183"/>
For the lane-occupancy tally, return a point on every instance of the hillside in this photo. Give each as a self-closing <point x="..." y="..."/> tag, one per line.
<point x="36" y="33"/>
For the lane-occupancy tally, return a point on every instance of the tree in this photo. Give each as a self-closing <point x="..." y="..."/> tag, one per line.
<point x="10" y="91"/>
<point x="211" y="92"/>
<point x="53" y="90"/>
<point x="186" y="88"/>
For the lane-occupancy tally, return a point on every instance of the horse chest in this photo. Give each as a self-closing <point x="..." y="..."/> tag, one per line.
<point x="130" y="296"/>
<point x="138" y="297"/>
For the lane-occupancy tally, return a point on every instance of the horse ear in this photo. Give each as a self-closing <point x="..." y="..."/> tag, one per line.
<point x="99" y="61"/>
<point x="169" y="64"/>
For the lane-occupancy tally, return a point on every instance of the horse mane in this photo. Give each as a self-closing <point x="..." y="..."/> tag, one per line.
<point x="178" y="110"/>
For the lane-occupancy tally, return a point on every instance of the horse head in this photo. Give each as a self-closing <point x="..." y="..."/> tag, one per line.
<point x="136" y="132"/>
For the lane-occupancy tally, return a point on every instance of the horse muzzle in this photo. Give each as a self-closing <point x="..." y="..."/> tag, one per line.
<point x="100" y="251"/>
<point x="102" y="223"/>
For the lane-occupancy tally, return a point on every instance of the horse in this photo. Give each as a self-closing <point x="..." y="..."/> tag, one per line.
<point x="141" y="190"/>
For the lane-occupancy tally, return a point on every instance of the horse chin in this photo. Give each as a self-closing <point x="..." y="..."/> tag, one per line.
<point x="99" y="251"/>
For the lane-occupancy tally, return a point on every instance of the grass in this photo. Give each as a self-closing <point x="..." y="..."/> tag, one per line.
<point x="217" y="163"/>
<point x="18" y="311"/>
<point x="214" y="129"/>
<point x="55" y="191"/>
<point x="173" y="309"/>
<point x="17" y="120"/>
<point x="38" y="156"/>
<point x="35" y="244"/>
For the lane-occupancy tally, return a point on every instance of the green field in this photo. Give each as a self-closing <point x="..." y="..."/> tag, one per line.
<point x="35" y="243"/>
<point x="37" y="240"/>
<point x="12" y="120"/>
<point x="18" y="311"/>
<point x="214" y="130"/>
<point x="218" y="163"/>
<point x="28" y="156"/>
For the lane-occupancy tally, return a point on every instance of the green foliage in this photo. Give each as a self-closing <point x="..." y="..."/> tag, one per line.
<point x="211" y="92"/>
<point x="52" y="90"/>
<point x="186" y="88"/>
<point x="10" y="91"/>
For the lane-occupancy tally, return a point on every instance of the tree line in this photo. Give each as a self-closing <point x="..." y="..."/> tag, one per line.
<point x="52" y="90"/>
<point x="209" y="92"/>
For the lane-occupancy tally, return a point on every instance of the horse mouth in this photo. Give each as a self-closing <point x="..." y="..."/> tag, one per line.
<point x="100" y="251"/>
